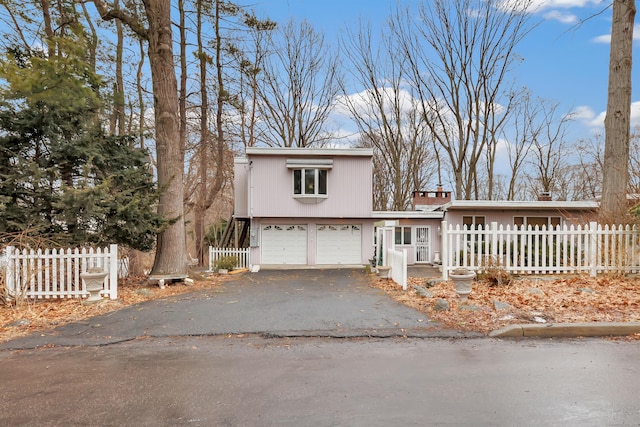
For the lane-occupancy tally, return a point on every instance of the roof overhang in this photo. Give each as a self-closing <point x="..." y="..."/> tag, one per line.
<point x="512" y="205"/>
<point x="407" y="215"/>
<point x="309" y="152"/>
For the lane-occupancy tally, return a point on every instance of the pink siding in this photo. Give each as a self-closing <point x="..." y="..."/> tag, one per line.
<point x="349" y="189"/>
<point x="241" y="187"/>
<point x="505" y="217"/>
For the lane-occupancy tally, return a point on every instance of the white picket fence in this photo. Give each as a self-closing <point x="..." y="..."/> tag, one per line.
<point x="588" y="249"/>
<point x="53" y="273"/>
<point x="243" y="255"/>
<point x="397" y="260"/>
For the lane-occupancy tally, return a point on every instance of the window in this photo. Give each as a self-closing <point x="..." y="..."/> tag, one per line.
<point x="403" y="235"/>
<point x="310" y="182"/>
<point x="540" y="221"/>
<point x="473" y="223"/>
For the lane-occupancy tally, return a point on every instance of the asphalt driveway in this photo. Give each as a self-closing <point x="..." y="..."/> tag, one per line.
<point x="278" y="303"/>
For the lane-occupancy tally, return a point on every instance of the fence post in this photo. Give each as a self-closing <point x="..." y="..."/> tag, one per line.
<point x="593" y="248"/>
<point x="444" y="248"/>
<point x="404" y="269"/>
<point x="210" y="258"/>
<point x="10" y="272"/>
<point x="113" y="271"/>
<point x="494" y="240"/>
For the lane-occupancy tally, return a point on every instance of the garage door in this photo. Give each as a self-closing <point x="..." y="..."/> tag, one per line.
<point x="284" y="244"/>
<point x="339" y="244"/>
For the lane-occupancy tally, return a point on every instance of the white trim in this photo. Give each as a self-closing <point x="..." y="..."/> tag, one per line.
<point x="502" y="204"/>
<point x="309" y="152"/>
<point x="310" y="163"/>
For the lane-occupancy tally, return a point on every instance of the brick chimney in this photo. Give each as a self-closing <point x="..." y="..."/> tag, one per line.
<point x="544" y="196"/>
<point x="430" y="198"/>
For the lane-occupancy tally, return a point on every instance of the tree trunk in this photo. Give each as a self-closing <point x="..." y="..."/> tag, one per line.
<point x="613" y="205"/>
<point x="171" y="250"/>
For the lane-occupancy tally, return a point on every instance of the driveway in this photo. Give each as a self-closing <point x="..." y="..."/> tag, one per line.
<point x="277" y="303"/>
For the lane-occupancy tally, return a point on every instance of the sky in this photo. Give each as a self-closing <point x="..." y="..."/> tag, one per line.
<point x="565" y="57"/>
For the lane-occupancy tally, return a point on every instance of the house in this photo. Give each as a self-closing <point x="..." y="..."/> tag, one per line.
<point x="306" y="206"/>
<point x="314" y="207"/>
<point x="419" y="231"/>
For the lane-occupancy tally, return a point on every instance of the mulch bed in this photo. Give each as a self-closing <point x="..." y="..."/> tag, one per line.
<point x="551" y="300"/>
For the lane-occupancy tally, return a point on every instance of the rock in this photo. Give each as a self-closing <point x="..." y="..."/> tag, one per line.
<point x="587" y="290"/>
<point x="422" y="291"/>
<point x="539" y="319"/>
<point x="507" y="317"/>
<point x="535" y="291"/>
<point x="469" y="307"/>
<point x="432" y="282"/>
<point x="441" y="305"/>
<point x="499" y="305"/>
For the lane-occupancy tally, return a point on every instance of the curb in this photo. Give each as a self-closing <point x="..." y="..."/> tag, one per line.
<point x="568" y="330"/>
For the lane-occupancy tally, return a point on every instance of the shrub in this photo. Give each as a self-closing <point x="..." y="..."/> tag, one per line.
<point x="228" y="262"/>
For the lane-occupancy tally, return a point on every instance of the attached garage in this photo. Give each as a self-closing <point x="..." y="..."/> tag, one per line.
<point x="284" y="244"/>
<point x="339" y="244"/>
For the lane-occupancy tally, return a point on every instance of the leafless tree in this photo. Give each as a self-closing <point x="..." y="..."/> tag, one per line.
<point x="389" y="119"/>
<point x="614" y="207"/>
<point x="550" y="150"/>
<point x="524" y="131"/>
<point x="156" y="29"/>
<point x="460" y="54"/>
<point x="299" y="85"/>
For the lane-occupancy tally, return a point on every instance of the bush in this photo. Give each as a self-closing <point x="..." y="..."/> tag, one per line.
<point x="495" y="275"/>
<point x="228" y="262"/>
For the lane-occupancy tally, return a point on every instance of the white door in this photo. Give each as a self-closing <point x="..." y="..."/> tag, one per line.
<point x="284" y="244"/>
<point x="339" y="244"/>
<point x="422" y="244"/>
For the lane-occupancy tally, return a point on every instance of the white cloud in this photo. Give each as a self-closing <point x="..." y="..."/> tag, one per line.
<point x="562" y="17"/>
<point x="604" y="39"/>
<point x="595" y="120"/>
<point x="564" y="4"/>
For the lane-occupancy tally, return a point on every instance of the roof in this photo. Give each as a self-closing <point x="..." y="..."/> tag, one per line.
<point x="276" y="151"/>
<point x="407" y="214"/>
<point x="513" y="205"/>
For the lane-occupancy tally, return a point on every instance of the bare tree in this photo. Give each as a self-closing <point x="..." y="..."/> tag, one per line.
<point x="460" y="54"/>
<point x="549" y="148"/>
<point x="524" y="131"/>
<point x="157" y="30"/>
<point x="389" y="119"/>
<point x="613" y="206"/>
<point x="299" y="86"/>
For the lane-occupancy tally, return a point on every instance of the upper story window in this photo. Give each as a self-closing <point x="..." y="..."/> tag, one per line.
<point x="310" y="182"/>
<point x="310" y="177"/>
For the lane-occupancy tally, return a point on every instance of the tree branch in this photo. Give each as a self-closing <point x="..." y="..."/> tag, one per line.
<point x="109" y="14"/>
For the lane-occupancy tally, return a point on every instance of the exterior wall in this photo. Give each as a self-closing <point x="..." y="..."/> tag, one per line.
<point x="241" y="187"/>
<point x="506" y="217"/>
<point x="349" y="189"/>
<point x="367" y="244"/>
<point x="434" y="225"/>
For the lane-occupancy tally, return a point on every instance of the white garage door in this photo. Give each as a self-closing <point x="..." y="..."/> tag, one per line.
<point x="284" y="244"/>
<point x="339" y="244"/>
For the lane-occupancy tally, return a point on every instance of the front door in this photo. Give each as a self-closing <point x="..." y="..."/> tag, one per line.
<point x="422" y="244"/>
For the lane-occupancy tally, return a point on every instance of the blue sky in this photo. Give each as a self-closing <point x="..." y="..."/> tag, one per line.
<point x="564" y="61"/>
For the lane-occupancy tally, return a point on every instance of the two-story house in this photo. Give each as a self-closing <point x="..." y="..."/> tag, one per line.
<point x="314" y="207"/>
<point x="306" y="206"/>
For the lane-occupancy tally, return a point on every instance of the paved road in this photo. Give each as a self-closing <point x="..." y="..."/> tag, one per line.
<point x="262" y="351"/>
<point x="253" y="381"/>
<point x="276" y="303"/>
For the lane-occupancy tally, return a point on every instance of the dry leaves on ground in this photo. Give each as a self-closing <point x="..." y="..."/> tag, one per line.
<point x="556" y="300"/>
<point x="30" y="316"/>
